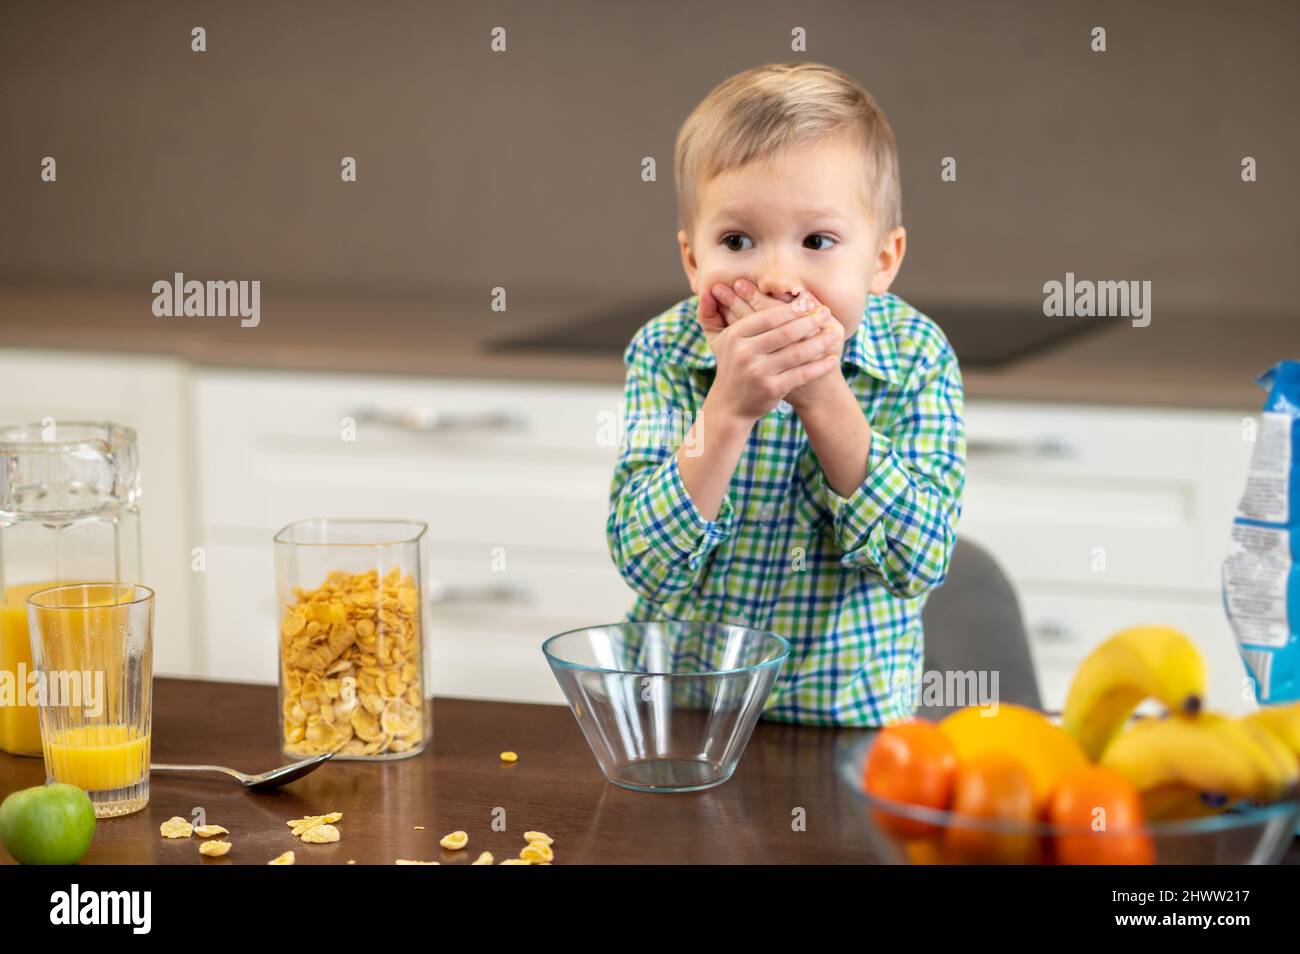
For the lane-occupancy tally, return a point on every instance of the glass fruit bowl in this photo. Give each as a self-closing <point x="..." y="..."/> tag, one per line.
<point x="666" y="705"/>
<point x="1245" y="833"/>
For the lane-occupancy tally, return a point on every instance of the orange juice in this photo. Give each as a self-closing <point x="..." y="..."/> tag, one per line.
<point x="93" y="642"/>
<point x="20" y="727"/>
<point x="98" y="757"/>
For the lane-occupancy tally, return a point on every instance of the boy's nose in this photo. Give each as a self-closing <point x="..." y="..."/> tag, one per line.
<point x="780" y="286"/>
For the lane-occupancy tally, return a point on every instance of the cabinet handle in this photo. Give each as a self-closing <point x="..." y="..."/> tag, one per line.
<point x="452" y="594"/>
<point x="1053" y="631"/>
<point x="427" y="420"/>
<point x="1053" y="448"/>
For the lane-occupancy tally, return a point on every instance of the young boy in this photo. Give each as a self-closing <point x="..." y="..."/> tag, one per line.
<point x="818" y="489"/>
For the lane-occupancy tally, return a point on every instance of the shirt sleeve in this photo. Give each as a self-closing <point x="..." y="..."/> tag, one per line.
<point x="900" y="523"/>
<point x="657" y="537"/>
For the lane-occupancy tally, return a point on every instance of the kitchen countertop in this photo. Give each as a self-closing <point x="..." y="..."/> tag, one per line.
<point x="458" y="782"/>
<point x="1182" y="359"/>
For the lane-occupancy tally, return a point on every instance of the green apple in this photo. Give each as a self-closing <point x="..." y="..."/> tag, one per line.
<point x="47" y="825"/>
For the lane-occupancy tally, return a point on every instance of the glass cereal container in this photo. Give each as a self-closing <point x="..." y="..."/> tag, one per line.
<point x="351" y="638"/>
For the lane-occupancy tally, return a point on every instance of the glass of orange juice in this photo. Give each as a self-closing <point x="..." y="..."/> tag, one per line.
<point x="92" y="646"/>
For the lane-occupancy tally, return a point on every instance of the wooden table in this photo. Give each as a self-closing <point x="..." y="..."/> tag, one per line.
<point x="460" y="781"/>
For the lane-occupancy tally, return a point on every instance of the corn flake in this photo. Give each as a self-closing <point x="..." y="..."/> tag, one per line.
<point x="538" y="852"/>
<point x="455" y="841"/>
<point x="300" y="825"/>
<point x="214" y="849"/>
<point x="321" y="834"/>
<point x="350" y="666"/>
<point x="176" y="827"/>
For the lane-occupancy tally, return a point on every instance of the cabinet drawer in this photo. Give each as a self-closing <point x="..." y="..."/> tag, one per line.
<point x="1064" y="627"/>
<point x="1124" y="497"/>
<point x="480" y="461"/>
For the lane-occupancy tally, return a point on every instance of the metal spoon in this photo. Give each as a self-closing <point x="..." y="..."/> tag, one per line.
<point x="255" y="783"/>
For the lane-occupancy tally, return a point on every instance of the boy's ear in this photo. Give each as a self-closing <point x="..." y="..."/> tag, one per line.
<point x="688" y="257"/>
<point x="889" y="260"/>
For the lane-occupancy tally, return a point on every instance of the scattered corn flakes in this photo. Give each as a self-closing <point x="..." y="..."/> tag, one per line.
<point x="537" y="851"/>
<point x="455" y="841"/>
<point x="350" y="668"/>
<point x="214" y="849"/>
<point x="483" y="859"/>
<point x="321" y="835"/>
<point x="300" y="826"/>
<point x="509" y="756"/>
<point x="284" y="859"/>
<point x="516" y="861"/>
<point x="207" y="831"/>
<point x="176" y="827"/>
<point x="532" y="836"/>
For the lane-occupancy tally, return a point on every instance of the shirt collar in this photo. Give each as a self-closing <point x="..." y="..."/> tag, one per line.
<point x="870" y="348"/>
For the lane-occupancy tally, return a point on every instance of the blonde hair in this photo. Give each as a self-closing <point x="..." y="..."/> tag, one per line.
<point x="758" y="113"/>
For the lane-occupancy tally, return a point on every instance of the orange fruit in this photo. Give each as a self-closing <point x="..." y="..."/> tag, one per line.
<point x="925" y="851"/>
<point x="992" y="787"/>
<point x="1105" y="802"/>
<point x="910" y="762"/>
<point x="1045" y="750"/>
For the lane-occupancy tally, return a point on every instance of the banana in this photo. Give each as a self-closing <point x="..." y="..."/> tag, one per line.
<point x="1194" y="751"/>
<point x="1282" y="721"/>
<point x="1278" y="766"/>
<point x="1175" y="801"/>
<point x="1135" y="664"/>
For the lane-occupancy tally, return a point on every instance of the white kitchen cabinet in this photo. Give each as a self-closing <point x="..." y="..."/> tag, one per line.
<point x="1123" y="497"/>
<point x="1105" y="518"/>
<point x="490" y="462"/>
<point x="151" y="395"/>
<point x="513" y="481"/>
<point x="1102" y="517"/>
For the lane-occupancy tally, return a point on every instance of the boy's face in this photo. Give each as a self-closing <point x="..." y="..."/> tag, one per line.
<point x="797" y="219"/>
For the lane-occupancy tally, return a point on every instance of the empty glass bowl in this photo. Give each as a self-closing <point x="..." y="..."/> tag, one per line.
<point x="913" y="834"/>
<point x="667" y="705"/>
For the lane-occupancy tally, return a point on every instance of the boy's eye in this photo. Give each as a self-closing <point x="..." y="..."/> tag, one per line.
<point x="819" y="235"/>
<point x="730" y="239"/>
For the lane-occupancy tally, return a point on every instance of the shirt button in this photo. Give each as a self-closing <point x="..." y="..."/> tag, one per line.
<point x="784" y="407"/>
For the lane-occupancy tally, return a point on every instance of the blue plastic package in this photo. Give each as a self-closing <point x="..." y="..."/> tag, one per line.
<point x="1261" y="575"/>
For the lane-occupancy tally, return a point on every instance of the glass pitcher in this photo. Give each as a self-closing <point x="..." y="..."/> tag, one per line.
<point x="69" y="513"/>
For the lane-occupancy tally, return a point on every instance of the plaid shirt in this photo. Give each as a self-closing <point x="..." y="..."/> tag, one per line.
<point x="843" y="580"/>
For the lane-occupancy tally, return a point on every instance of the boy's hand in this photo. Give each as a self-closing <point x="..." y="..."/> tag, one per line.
<point x="766" y="354"/>
<point x="731" y="305"/>
<point x="712" y="321"/>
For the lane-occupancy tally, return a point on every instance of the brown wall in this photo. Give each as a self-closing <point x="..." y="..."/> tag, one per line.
<point x="522" y="168"/>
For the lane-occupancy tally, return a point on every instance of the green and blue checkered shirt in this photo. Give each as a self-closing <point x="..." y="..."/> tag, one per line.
<point x="844" y="580"/>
